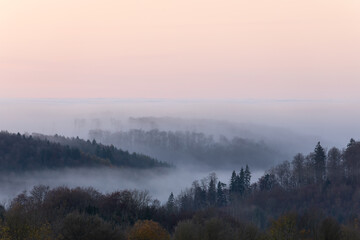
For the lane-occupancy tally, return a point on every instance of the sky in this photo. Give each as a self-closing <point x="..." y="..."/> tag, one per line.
<point x="186" y="49"/>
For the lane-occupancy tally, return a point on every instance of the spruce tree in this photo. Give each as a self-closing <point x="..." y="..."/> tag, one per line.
<point x="247" y="179"/>
<point x="233" y="181"/>
<point x="170" y="205"/>
<point x="199" y="196"/>
<point x="220" y="195"/>
<point x="211" y="194"/>
<point x="241" y="182"/>
<point x="319" y="161"/>
<point x="351" y="143"/>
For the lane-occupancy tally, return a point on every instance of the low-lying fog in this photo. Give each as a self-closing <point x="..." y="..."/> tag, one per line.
<point x="285" y="127"/>
<point x="158" y="182"/>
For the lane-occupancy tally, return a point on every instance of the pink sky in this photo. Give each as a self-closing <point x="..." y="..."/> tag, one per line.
<point x="277" y="49"/>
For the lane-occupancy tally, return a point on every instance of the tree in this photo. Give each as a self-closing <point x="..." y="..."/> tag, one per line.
<point x="309" y="165"/>
<point x="81" y="226"/>
<point x="267" y="182"/>
<point x="199" y="196"/>
<point x="186" y="202"/>
<point x="220" y="195"/>
<point x="211" y="194"/>
<point x="241" y="182"/>
<point x="330" y="229"/>
<point x="208" y="227"/>
<point x="284" y="228"/>
<point x="247" y="179"/>
<point x="283" y="174"/>
<point x="233" y="182"/>
<point x="352" y="162"/>
<point x="351" y="142"/>
<point x="20" y="223"/>
<point x="319" y="161"/>
<point x="148" y="230"/>
<point x="187" y="230"/>
<point x="334" y="168"/>
<point x="298" y="169"/>
<point x="38" y="193"/>
<point x="170" y="205"/>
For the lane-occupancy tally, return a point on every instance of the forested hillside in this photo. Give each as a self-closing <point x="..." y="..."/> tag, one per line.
<point x="312" y="197"/>
<point x="23" y="153"/>
<point x="184" y="147"/>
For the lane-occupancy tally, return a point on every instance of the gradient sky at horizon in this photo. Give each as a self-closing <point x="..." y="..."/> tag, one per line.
<point x="279" y="49"/>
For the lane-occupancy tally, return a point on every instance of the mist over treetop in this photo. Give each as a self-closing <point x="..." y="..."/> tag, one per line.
<point x="185" y="148"/>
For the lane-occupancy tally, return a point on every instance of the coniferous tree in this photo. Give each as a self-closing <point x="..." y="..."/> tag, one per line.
<point x="247" y="179"/>
<point x="186" y="202"/>
<point x="241" y="182"/>
<point x="170" y="205"/>
<point x="351" y="161"/>
<point x="211" y="194"/>
<point x="351" y="143"/>
<point x="199" y="196"/>
<point x="319" y="161"/>
<point x="233" y="182"/>
<point x="220" y="195"/>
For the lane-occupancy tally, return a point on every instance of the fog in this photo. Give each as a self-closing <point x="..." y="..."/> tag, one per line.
<point x="158" y="182"/>
<point x="287" y="127"/>
<point x="331" y="121"/>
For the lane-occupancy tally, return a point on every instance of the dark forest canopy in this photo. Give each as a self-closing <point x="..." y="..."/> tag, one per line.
<point x="185" y="147"/>
<point x="25" y="152"/>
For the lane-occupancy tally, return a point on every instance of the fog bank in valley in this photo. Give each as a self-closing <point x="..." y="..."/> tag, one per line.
<point x="284" y="128"/>
<point x="158" y="182"/>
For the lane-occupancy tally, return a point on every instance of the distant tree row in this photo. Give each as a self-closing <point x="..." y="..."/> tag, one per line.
<point x="185" y="146"/>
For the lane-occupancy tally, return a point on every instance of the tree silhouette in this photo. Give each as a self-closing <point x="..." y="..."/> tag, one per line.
<point x="319" y="161"/>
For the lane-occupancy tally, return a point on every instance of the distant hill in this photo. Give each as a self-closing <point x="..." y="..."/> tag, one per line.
<point x="35" y="152"/>
<point x="191" y="148"/>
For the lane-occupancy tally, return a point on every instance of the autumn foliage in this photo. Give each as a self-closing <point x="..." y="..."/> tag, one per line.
<point x="148" y="230"/>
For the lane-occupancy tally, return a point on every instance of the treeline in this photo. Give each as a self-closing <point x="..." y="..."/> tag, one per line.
<point x="80" y="213"/>
<point x="116" y="156"/>
<point x="25" y="152"/>
<point x="326" y="182"/>
<point x="84" y="213"/>
<point x="191" y="147"/>
<point x="210" y="193"/>
<point x="320" y="170"/>
<point x="312" y="196"/>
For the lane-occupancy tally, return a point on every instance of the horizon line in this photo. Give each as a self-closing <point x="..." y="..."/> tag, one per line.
<point x="178" y="100"/>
